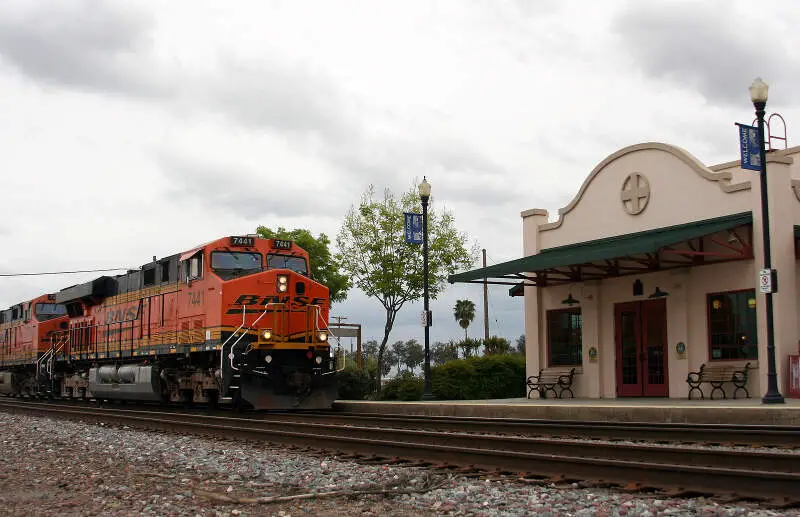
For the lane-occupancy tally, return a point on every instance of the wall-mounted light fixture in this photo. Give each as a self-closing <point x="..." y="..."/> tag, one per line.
<point x="658" y="293"/>
<point x="569" y="300"/>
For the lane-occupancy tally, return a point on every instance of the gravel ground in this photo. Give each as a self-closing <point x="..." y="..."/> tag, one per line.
<point x="55" y="467"/>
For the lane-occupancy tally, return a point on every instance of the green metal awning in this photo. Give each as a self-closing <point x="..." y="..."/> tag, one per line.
<point x="682" y="245"/>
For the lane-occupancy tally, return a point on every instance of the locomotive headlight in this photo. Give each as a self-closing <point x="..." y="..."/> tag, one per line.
<point x="318" y="359"/>
<point x="283" y="283"/>
<point x="266" y="334"/>
<point x="268" y="359"/>
<point x="323" y="336"/>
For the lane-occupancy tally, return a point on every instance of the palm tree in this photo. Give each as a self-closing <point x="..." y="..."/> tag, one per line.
<point x="464" y="313"/>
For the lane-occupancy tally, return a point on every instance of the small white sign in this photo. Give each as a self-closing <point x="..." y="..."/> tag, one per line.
<point x="208" y="335"/>
<point x="425" y="319"/>
<point x="765" y="281"/>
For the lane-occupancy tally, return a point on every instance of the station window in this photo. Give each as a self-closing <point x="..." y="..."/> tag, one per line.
<point x="732" y="325"/>
<point x="564" y="333"/>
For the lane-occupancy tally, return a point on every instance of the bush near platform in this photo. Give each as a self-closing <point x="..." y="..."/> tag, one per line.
<point x="405" y="386"/>
<point x="474" y="378"/>
<point x="355" y="383"/>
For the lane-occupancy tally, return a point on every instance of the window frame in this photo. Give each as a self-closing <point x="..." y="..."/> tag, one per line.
<point x="708" y="324"/>
<point x="259" y="269"/>
<point x="267" y="265"/>
<point x="187" y="267"/>
<point x="570" y="310"/>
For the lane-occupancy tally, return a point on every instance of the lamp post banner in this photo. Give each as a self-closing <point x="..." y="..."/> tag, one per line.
<point x="749" y="147"/>
<point x="413" y="228"/>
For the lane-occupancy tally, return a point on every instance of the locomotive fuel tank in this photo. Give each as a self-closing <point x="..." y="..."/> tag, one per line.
<point x="129" y="382"/>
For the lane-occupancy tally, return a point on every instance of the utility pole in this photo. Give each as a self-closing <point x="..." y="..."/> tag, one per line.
<point x="485" y="304"/>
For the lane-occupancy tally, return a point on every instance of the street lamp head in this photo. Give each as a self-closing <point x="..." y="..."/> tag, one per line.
<point x="424" y="189"/>
<point x="759" y="90"/>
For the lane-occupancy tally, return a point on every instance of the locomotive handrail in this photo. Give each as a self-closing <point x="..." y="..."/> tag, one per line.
<point x="244" y="320"/>
<point x="47" y="356"/>
<point x="318" y="310"/>
<point x="56" y="349"/>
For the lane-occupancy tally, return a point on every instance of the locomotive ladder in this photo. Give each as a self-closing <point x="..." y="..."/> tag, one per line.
<point x="49" y="356"/>
<point x="231" y="355"/>
<point x="45" y="362"/>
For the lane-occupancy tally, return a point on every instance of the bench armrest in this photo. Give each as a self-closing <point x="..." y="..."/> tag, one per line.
<point x="693" y="377"/>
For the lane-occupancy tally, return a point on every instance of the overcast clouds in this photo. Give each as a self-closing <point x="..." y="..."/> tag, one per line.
<point x="135" y="128"/>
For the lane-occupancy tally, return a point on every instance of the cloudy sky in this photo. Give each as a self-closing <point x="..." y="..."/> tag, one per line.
<point x="139" y="128"/>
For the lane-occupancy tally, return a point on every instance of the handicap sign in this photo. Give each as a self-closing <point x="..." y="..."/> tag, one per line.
<point x="413" y="227"/>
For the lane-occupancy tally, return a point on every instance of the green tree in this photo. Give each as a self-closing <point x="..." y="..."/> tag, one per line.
<point x="464" y="313"/>
<point x="442" y="353"/>
<point x="324" y="267"/>
<point x="415" y="354"/>
<point x="373" y="252"/>
<point x="521" y="344"/>
<point x="496" y="345"/>
<point x="396" y="354"/>
<point x="469" y="346"/>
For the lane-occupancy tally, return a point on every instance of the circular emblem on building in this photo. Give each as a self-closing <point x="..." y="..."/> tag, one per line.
<point x="635" y="193"/>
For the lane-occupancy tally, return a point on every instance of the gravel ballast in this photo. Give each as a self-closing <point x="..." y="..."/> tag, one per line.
<point x="57" y="467"/>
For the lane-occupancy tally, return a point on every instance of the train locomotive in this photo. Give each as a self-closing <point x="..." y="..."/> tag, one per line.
<point x="238" y="321"/>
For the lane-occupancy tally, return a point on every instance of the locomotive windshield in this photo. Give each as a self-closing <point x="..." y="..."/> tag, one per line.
<point x="233" y="264"/>
<point x="296" y="264"/>
<point x="48" y="311"/>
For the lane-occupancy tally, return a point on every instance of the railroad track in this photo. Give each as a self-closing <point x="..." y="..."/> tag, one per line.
<point x="747" y="473"/>
<point x="705" y="434"/>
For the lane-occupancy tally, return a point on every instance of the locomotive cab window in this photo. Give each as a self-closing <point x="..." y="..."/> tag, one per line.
<point x="233" y="264"/>
<point x="193" y="267"/>
<point x="291" y="262"/>
<point x="48" y="311"/>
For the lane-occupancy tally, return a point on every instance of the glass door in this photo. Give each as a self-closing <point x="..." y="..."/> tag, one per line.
<point x="641" y="355"/>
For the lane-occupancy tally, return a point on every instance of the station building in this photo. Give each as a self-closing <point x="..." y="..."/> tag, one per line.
<point x="652" y="270"/>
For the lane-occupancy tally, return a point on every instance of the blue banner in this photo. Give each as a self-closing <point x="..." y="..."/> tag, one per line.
<point x="749" y="147"/>
<point x="413" y="228"/>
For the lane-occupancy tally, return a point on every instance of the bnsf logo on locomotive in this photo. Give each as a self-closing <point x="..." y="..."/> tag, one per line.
<point x="118" y="315"/>
<point x="297" y="301"/>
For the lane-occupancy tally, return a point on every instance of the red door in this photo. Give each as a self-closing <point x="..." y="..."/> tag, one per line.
<point x="641" y="339"/>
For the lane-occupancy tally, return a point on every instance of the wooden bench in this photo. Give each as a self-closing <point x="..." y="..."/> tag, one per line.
<point x="718" y="374"/>
<point x="552" y="379"/>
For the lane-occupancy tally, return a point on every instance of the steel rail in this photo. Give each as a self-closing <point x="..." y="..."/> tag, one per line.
<point x="752" y="474"/>
<point x="739" y="434"/>
<point x="734" y="434"/>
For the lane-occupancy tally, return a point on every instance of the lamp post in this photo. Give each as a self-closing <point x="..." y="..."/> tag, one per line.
<point x="758" y="94"/>
<point x="424" y="195"/>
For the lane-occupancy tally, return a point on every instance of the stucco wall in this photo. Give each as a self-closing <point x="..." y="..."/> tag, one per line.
<point x="681" y="190"/>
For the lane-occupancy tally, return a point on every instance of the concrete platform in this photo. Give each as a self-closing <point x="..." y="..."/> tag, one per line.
<point x="739" y="411"/>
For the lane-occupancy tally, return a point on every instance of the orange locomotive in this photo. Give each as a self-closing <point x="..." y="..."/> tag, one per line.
<point x="26" y="331"/>
<point x="237" y="320"/>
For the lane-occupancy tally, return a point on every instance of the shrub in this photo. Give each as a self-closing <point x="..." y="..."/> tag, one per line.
<point x="488" y="377"/>
<point x="355" y="383"/>
<point x="406" y="386"/>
